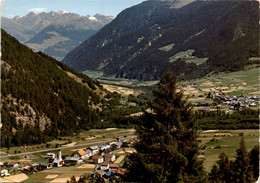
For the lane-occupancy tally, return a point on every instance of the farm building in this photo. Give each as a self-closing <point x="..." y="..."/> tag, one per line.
<point x="44" y="165"/>
<point x="81" y="154"/>
<point x="73" y="160"/>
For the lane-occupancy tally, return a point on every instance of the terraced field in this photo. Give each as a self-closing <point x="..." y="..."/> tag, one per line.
<point x="234" y="83"/>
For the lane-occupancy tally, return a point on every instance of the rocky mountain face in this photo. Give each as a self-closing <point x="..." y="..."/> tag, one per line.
<point x="54" y="33"/>
<point x="143" y="41"/>
<point x="41" y="98"/>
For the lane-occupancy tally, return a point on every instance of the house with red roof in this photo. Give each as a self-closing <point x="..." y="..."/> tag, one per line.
<point x="104" y="166"/>
<point x="97" y="159"/>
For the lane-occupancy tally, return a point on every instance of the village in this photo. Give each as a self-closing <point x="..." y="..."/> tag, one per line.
<point x="230" y="103"/>
<point x="100" y="158"/>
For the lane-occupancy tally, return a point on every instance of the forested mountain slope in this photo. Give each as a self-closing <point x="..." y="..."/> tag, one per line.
<point x="142" y="41"/>
<point x="42" y="98"/>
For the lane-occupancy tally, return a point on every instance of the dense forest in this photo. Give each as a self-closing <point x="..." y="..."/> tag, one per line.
<point x="40" y="101"/>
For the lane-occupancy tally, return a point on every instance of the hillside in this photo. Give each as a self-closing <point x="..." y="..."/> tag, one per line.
<point x="143" y="41"/>
<point x="54" y="33"/>
<point x="42" y="98"/>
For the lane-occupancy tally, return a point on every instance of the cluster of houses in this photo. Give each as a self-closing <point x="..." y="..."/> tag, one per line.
<point x="238" y="102"/>
<point x="5" y="165"/>
<point x="101" y="155"/>
<point x="234" y="102"/>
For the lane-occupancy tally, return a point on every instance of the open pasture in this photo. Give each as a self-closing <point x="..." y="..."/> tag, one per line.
<point x="216" y="141"/>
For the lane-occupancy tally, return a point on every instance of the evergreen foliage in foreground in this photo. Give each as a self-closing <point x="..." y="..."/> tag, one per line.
<point x="168" y="149"/>
<point x="245" y="168"/>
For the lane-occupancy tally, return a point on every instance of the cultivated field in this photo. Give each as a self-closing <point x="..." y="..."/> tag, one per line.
<point x="227" y="141"/>
<point x="188" y="58"/>
<point x="234" y="83"/>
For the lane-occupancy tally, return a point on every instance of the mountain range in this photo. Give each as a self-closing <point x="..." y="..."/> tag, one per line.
<point x="191" y="39"/>
<point x="54" y="33"/>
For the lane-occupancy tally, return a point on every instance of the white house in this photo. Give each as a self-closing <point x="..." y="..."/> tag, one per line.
<point x="94" y="149"/>
<point x="103" y="146"/>
<point x="104" y="166"/>
<point x="4" y="172"/>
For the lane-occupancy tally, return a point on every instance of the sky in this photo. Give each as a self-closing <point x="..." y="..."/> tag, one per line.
<point x="11" y="8"/>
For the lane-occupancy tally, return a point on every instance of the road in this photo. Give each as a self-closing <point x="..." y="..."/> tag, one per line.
<point x="59" y="148"/>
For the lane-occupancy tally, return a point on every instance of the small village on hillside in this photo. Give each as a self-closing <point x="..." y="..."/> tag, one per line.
<point x="101" y="159"/>
<point x="234" y="102"/>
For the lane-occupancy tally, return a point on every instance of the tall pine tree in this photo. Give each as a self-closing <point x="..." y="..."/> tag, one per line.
<point x="167" y="149"/>
<point x="254" y="161"/>
<point x="241" y="168"/>
<point x="222" y="172"/>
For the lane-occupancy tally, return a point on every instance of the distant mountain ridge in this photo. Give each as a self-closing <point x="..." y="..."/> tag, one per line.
<point x="142" y="41"/>
<point x="54" y="33"/>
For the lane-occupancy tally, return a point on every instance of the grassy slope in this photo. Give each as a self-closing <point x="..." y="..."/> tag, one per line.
<point x="228" y="144"/>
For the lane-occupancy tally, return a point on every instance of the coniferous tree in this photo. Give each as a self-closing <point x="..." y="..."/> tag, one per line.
<point x="241" y="168"/>
<point x="167" y="148"/>
<point x="213" y="175"/>
<point x="221" y="172"/>
<point x="254" y="161"/>
<point x="225" y="172"/>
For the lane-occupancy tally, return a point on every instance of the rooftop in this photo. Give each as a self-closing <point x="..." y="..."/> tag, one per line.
<point x="82" y="152"/>
<point x="104" y="164"/>
<point x="71" y="159"/>
<point x="113" y="165"/>
<point x="108" y="155"/>
<point x="93" y="147"/>
<point x="96" y="157"/>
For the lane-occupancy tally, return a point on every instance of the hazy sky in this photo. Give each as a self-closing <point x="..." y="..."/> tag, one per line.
<point x="11" y="8"/>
